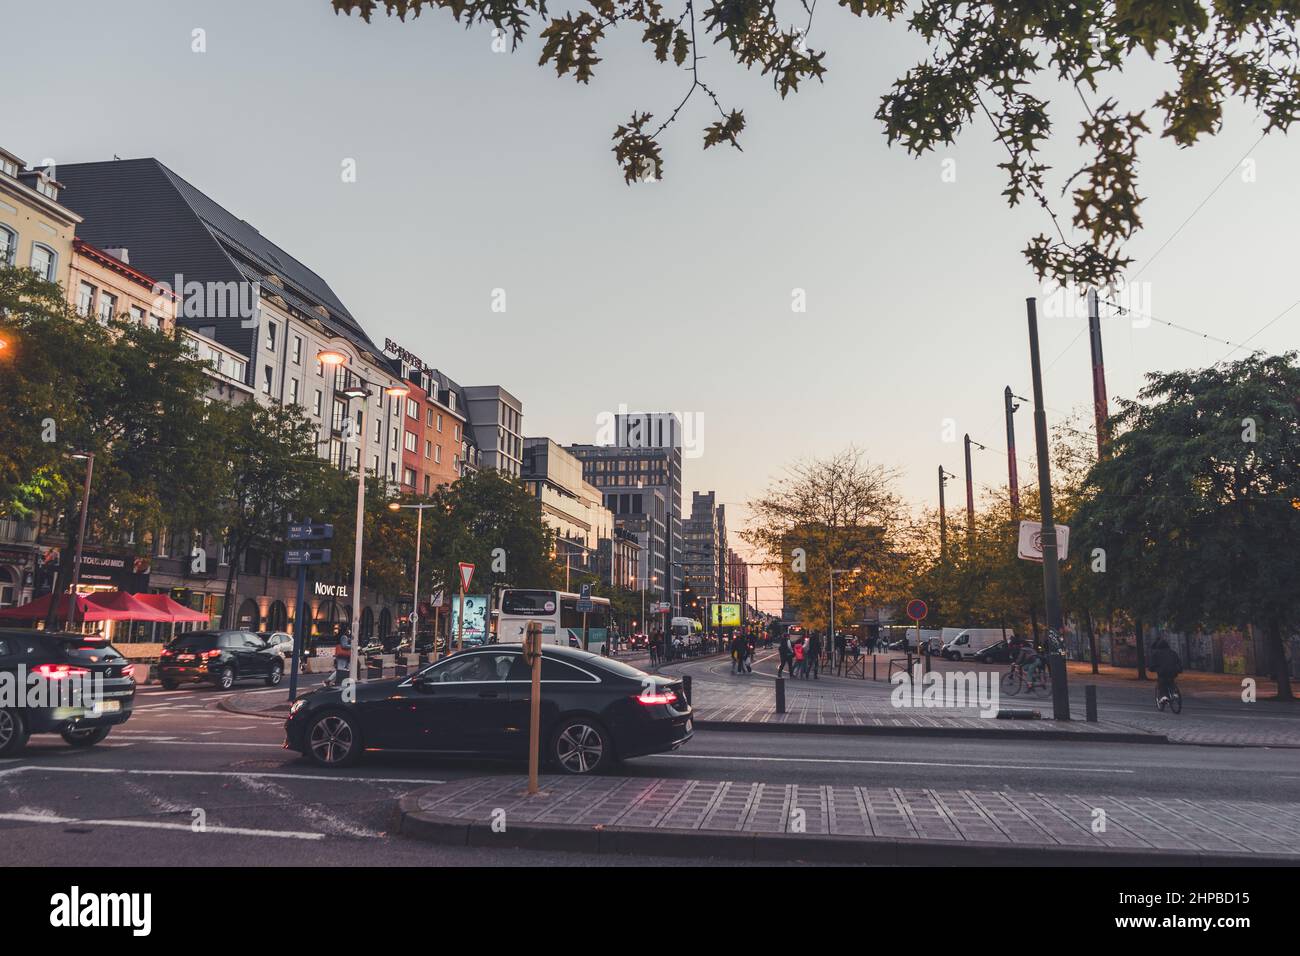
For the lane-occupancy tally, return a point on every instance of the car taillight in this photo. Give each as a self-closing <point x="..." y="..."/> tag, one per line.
<point x="657" y="697"/>
<point x="128" y="670"/>
<point x="168" y="653"/>
<point x="60" y="671"/>
<point x="210" y="654"/>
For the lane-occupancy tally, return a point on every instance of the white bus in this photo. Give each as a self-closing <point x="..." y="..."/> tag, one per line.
<point x="557" y="612"/>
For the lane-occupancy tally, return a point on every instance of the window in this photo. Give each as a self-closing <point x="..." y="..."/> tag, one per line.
<point x="45" y="262"/>
<point x="293" y="391"/>
<point x="428" y="449"/>
<point x="374" y="467"/>
<point x="156" y="322"/>
<point x="481" y="668"/>
<point x="412" y="409"/>
<point x="107" y="308"/>
<point x="8" y="246"/>
<point x="315" y="403"/>
<point x="439" y="421"/>
<point x="455" y="432"/>
<point x="408" y="477"/>
<point x="268" y="374"/>
<point x="429" y="420"/>
<point x="85" y="298"/>
<point x="392" y="440"/>
<point x="137" y="314"/>
<point x="426" y="486"/>
<point x="379" y="431"/>
<point x="437" y="453"/>
<point x="237" y="368"/>
<point x="320" y="368"/>
<point x="410" y="441"/>
<point x="297" y="350"/>
<point x="270" y="336"/>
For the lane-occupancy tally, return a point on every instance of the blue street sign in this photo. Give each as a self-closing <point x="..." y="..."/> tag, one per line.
<point x="307" y="556"/>
<point x="584" y="601"/>
<point x="310" y="532"/>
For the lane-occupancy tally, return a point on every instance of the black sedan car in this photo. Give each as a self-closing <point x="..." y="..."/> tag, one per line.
<point x="996" y="653"/>
<point x="219" y="657"/>
<point x="595" y="711"/>
<point x="77" y="686"/>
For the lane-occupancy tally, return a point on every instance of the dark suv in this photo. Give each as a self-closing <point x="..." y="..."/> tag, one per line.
<point x="67" y="684"/>
<point x="219" y="657"/>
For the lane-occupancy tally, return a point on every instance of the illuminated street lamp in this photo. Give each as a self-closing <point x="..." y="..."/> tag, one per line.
<point x="415" y="589"/>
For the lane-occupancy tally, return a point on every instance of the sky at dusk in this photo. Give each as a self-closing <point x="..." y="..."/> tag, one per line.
<point x="478" y="171"/>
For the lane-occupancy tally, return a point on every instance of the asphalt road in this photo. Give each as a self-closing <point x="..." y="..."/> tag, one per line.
<point x="138" y="797"/>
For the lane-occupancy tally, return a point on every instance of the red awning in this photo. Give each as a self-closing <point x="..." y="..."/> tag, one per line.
<point x="97" y="606"/>
<point x="176" y="612"/>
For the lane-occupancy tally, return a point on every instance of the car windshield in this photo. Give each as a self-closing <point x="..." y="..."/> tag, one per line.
<point x="194" y="642"/>
<point x="88" y="649"/>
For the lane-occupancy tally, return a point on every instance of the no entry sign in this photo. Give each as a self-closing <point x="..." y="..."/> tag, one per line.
<point x="917" y="610"/>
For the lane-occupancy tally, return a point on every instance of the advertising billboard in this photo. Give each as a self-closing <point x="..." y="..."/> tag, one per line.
<point x="726" y="615"/>
<point x="476" y="618"/>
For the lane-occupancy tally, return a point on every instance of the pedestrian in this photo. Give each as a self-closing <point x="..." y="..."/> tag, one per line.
<point x="799" y="668"/>
<point x="343" y="657"/>
<point x="654" y="650"/>
<point x="786" y="652"/>
<point x="814" y="652"/>
<point x="841" y="645"/>
<point x="736" y="647"/>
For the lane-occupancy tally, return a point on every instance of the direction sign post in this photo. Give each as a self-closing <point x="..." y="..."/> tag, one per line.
<point x="917" y="610"/>
<point x="466" y="575"/>
<point x="584" y="607"/>
<point x="301" y="626"/>
<point x="533" y="657"/>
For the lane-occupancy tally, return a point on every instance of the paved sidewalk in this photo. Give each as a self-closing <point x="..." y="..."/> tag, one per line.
<point x="848" y="823"/>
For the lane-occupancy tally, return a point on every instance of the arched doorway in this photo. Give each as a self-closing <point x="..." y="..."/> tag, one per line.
<point x="367" y="623"/>
<point x="327" y="621"/>
<point x="277" y="617"/>
<point x="250" y="615"/>
<point x="385" y="622"/>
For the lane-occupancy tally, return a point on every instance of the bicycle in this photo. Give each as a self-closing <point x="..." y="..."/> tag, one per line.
<point x="1013" y="680"/>
<point x="1174" y="699"/>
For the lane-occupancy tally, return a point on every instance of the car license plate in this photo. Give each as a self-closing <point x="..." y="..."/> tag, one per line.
<point x="106" y="707"/>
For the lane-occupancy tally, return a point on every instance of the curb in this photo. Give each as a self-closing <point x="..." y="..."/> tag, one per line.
<point x="227" y="706"/>
<point x="1100" y="737"/>
<point x="410" y="821"/>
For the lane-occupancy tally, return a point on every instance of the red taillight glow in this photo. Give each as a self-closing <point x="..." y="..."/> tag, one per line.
<point x="210" y="654"/>
<point x="652" y="697"/>
<point x="60" y="671"/>
<point x="128" y="670"/>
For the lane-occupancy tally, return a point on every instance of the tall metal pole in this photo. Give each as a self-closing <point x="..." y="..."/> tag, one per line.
<point x="415" y="588"/>
<point x="1013" y="477"/>
<point x="1051" y="570"/>
<point x="355" y="658"/>
<point x="81" y="537"/>
<point x="943" y="517"/>
<point x="1100" y="408"/>
<point x="970" y="496"/>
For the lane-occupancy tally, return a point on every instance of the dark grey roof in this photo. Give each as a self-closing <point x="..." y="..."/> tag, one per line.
<point x="171" y="227"/>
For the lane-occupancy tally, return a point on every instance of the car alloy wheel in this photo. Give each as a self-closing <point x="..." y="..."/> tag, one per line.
<point x="10" y="730"/>
<point x="331" y="740"/>
<point x="579" y="747"/>
<point x="227" y="678"/>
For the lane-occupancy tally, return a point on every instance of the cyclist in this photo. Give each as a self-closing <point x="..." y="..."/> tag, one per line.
<point x="1024" y="654"/>
<point x="1167" y="665"/>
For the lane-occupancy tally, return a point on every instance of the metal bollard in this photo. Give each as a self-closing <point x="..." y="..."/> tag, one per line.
<point x="686" y="686"/>
<point x="1060" y="694"/>
<point x="780" y="695"/>
<point x="873" y="666"/>
<point x="1090" y="702"/>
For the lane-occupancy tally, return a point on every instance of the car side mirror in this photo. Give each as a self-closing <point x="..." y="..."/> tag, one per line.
<point x="425" y="683"/>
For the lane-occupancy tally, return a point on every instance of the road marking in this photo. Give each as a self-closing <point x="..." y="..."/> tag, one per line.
<point x="894" y="763"/>
<point x="159" y="825"/>
<point x="226" y="773"/>
<point x="172" y="741"/>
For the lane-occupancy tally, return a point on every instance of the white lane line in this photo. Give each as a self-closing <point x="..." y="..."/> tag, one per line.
<point x="159" y="825"/>
<point x="895" y="763"/>
<point x="173" y="742"/>
<point x="226" y="773"/>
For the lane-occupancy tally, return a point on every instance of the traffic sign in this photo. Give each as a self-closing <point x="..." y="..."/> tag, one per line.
<point x="917" y="610"/>
<point x="1030" y="544"/>
<point x="437" y="600"/>
<point x="307" y="556"/>
<point x="585" y="606"/>
<point x="466" y="575"/>
<point x="415" y="617"/>
<point x="310" y="532"/>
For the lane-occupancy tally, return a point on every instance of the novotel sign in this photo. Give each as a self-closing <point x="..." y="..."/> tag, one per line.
<point x="412" y="360"/>
<point x="331" y="590"/>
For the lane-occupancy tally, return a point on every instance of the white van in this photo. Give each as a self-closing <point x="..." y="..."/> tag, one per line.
<point x="967" y="643"/>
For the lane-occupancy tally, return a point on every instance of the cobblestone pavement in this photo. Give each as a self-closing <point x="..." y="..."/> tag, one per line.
<point x="954" y="816"/>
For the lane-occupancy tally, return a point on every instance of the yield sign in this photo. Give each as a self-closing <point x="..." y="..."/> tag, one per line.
<point x="466" y="574"/>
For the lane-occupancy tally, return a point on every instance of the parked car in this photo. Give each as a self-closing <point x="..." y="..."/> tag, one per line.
<point x="998" y="652"/>
<point x="220" y="658"/>
<point x="595" y="711"/>
<point x="967" y="643"/>
<point x="82" y="720"/>
<point x="282" y="642"/>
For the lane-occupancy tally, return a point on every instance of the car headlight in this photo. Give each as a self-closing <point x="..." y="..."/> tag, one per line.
<point x="297" y="705"/>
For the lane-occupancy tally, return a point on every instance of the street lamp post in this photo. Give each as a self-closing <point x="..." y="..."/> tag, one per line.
<point x="415" y="587"/>
<point x="358" y="390"/>
<point x="970" y="492"/>
<point x="89" y="457"/>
